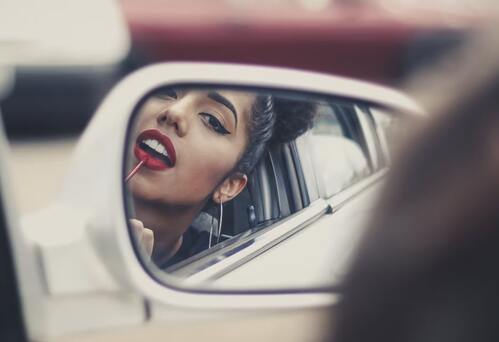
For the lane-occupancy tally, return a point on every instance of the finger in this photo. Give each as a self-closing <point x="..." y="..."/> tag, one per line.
<point x="138" y="228"/>
<point x="148" y="240"/>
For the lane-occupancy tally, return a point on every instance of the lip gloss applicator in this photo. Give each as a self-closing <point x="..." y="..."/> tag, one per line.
<point x="135" y="170"/>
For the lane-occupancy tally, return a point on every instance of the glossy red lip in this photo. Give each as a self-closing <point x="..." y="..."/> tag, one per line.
<point x="151" y="146"/>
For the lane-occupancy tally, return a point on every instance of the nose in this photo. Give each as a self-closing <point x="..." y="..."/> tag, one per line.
<point x="175" y="117"/>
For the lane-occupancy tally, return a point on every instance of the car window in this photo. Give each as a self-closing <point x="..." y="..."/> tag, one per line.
<point x="388" y="129"/>
<point x="366" y="120"/>
<point x="339" y="148"/>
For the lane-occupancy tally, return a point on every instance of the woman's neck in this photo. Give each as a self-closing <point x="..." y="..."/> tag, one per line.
<point x="168" y="225"/>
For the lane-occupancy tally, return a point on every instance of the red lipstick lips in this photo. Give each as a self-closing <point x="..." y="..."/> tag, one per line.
<point x="155" y="149"/>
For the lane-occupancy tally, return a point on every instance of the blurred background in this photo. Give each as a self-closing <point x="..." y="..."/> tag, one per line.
<point x="53" y="97"/>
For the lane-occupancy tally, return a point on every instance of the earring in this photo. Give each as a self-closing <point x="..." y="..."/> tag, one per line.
<point x="211" y="230"/>
<point x="220" y="221"/>
<point x="220" y="217"/>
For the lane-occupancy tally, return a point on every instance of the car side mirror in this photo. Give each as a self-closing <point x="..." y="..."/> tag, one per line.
<point x="167" y="143"/>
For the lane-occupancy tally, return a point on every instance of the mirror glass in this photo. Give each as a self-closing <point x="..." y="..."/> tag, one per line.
<point x="250" y="188"/>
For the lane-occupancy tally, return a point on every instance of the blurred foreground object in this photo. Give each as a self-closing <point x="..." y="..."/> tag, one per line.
<point x="427" y="268"/>
<point x="381" y="41"/>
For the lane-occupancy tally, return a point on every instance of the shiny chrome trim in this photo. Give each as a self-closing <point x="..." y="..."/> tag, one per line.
<point x="225" y="260"/>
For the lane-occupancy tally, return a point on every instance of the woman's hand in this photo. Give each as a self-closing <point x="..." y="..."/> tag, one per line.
<point x="144" y="236"/>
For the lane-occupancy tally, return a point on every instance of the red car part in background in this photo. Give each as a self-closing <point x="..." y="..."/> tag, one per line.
<point x="359" y="39"/>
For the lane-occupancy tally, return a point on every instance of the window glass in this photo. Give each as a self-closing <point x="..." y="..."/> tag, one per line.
<point x="376" y="154"/>
<point x="326" y="122"/>
<point x="388" y="129"/>
<point x="337" y="149"/>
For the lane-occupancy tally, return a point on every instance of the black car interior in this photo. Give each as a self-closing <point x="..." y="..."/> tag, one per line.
<point x="273" y="192"/>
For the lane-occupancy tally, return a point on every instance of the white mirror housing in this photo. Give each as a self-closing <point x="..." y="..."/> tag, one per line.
<point x="85" y="251"/>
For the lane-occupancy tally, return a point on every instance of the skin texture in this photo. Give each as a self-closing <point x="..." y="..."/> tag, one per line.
<point x="167" y="201"/>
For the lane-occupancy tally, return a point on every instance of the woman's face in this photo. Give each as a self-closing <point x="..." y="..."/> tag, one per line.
<point x="189" y="140"/>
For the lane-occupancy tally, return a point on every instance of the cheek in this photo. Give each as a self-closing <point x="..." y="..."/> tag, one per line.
<point x="210" y="162"/>
<point x="144" y="188"/>
<point x="205" y="160"/>
<point x="147" y="116"/>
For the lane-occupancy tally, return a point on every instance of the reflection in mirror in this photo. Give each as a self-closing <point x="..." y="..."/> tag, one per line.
<point x="214" y="177"/>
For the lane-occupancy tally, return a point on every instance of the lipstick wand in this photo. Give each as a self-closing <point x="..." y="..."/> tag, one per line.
<point x="135" y="170"/>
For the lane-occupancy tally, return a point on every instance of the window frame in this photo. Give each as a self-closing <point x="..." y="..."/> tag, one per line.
<point x="353" y="128"/>
<point x="344" y="196"/>
<point x="373" y="142"/>
<point x="341" y="198"/>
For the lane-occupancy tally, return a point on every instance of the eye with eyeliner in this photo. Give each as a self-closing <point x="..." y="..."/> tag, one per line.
<point x="213" y="123"/>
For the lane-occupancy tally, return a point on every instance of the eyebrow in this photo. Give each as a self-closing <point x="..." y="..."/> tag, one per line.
<point x="223" y="100"/>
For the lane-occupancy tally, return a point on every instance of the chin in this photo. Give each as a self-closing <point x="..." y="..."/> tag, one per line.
<point x="143" y="192"/>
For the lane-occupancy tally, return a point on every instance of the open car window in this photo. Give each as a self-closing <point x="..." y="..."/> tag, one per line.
<point x="339" y="147"/>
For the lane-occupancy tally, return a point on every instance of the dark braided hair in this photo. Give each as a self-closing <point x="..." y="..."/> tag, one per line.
<point x="274" y="120"/>
<point x="260" y="129"/>
<point x="293" y="118"/>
